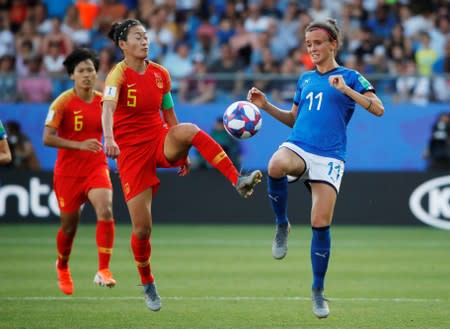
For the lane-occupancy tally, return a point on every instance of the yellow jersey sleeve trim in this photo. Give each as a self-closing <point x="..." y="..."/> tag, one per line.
<point x="113" y="82"/>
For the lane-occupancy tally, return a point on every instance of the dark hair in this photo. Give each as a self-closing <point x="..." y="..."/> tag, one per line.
<point x="119" y="30"/>
<point x="8" y="57"/>
<point x="13" y="127"/>
<point x="330" y="26"/>
<point x="27" y="43"/>
<point x="79" y="55"/>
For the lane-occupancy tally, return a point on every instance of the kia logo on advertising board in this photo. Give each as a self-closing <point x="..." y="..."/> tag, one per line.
<point x="430" y="202"/>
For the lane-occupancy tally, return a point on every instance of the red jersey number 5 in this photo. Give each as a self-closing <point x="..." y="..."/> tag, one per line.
<point x="131" y="98"/>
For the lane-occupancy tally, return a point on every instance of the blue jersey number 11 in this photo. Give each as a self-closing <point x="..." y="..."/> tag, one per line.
<point x="311" y="99"/>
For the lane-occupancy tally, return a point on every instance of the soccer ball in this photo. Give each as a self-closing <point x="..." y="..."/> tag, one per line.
<point x="242" y="119"/>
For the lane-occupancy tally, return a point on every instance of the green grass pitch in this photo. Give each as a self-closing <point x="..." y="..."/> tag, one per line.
<point x="225" y="277"/>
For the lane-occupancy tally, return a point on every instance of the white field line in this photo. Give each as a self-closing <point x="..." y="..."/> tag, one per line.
<point x="224" y="298"/>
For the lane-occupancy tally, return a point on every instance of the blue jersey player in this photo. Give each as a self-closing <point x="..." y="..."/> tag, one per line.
<point x="324" y="103"/>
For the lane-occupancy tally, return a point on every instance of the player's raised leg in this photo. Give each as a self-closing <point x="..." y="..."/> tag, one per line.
<point x="277" y="191"/>
<point x="246" y="183"/>
<point x="283" y="162"/>
<point x="140" y="213"/>
<point x="181" y="137"/>
<point x="216" y="156"/>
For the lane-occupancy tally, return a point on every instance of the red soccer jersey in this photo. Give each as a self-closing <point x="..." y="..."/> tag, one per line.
<point x="77" y="120"/>
<point x="137" y="118"/>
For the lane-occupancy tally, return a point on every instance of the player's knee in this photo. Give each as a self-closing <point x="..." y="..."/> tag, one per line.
<point x="69" y="229"/>
<point x="104" y="212"/>
<point x="190" y="131"/>
<point x="142" y="231"/>
<point x="185" y="132"/>
<point x="321" y="220"/>
<point x="276" y="167"/>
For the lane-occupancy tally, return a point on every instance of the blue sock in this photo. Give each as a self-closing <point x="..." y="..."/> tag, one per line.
<point x="320" y="254"/>
<point x="278" y="191"/>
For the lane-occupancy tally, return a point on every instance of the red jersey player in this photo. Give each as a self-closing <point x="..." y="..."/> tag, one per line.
<point x="81" y="174"/>
<point x="136" y="92"/>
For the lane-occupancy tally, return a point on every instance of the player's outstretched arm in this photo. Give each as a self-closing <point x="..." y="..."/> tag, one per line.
<point x="258" y="98"/>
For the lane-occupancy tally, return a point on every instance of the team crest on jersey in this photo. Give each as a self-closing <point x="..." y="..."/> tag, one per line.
<point x="159" y="81"/>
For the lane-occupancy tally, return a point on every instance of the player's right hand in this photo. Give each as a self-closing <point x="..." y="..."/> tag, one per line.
<point x="337" y="81"/>
<point x="185" y="168"/>
<point x="111" y="148"/>
<point x="257" y="97"/>
<point x="91" y="144"/>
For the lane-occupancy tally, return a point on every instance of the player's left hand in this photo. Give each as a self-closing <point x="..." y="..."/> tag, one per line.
<point x="90" y="144"/>
<point x="338" y="82"/>
<point x="185" y="168"/>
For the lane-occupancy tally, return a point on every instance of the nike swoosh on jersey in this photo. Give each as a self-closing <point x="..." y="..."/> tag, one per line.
<point x="129" y="85"/>
<point x="76" y="112"/>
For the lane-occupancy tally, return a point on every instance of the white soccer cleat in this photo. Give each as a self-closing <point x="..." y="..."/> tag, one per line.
<point x="151" y="297"/>
<point x="104" y="278"/>
<point x="280" y="241"/>
<point x="320" y="304"/>
<point x="246" y="183"/>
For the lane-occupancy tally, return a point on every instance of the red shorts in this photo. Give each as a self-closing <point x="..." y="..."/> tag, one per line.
<point x="137" y="165"/>
<point x="71" y="192"/>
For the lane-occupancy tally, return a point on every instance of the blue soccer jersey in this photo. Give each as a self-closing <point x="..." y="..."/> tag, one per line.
<point x="2" y="131"/>
<point x="324" y="112"/>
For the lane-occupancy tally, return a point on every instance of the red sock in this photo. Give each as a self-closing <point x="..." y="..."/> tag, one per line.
<point x="142" y="250"/>
<point x="64" y="247"/>
<point x="215" y="155"/>
<point x="104" y="236"/>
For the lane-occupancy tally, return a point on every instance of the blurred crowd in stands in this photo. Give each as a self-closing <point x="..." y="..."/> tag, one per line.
<point x="216" y="49"/>
<point x="22" y="150"/>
